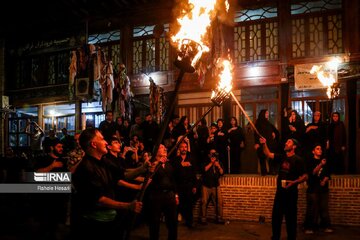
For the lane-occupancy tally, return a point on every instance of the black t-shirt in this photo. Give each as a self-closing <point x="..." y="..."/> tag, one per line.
<point x="47" y="160"/>
<point x="163" y="179"/>
<point x="313" y="181"/>
<point x="210" y="178"/>
<point x="115" y="166"/>
<point x="291" y="168"/>
<point x="92" y="180"/>
<point x="185" y="176"/>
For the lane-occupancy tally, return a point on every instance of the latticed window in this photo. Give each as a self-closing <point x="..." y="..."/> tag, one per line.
<point x="110" y="46"/>
<point x="62" y="67"/>
<point x="316" y="28"/>
<point x="35" y="71"/>
<point x="58" y="68"/>
<point x="51" y="71"/>
<point x="256" y="35"/>
<point x="150" y="53"/>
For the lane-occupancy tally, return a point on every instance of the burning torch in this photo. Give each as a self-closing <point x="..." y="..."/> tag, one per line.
<point x="190" y="48"/>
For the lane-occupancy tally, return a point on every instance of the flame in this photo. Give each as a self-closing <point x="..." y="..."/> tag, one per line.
<point x="227" y="5"/>
<point x="327" y="79"/>
<point x="194" y="25"/>
<point x="225" y="83"/>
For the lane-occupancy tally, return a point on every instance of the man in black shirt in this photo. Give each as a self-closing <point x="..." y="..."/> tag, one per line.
<point x="51" y="207"/>
<point x="212" y="171"/>
<point x="108" y="126"/>
<point x="291" y="173"/>
<point x="163" y="197"/>
<point x="186" y="182"/>
<point x="94" y="204"/>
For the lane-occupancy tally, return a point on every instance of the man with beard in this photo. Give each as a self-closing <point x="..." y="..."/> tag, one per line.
<point x="94" y="204"/>
<point x="51" y="207"/>
<point x="291" y="173"/>
<point x="186" y="182"/>
<point x="108" y="126"/>
<point x="150" y="131"/>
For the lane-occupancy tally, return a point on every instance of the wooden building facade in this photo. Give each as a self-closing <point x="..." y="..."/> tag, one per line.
<point x="266" y="40"/>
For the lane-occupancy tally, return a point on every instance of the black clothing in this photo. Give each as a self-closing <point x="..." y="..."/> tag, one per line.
<point x="235" y="139"/>
<point x="162" y="200"/>
<point x="122" y="194"/>
<point x="51" y="209"/>
<point x="164" y="179"/>
<point x="68" y="143"/>
<point x="92" y="180"/>
<point x="315" y="136"/>
<point x="15" y="167"/>
<point x="337" y="140"/>
<point x="291" y="168"/>
<point x="298" y="134"/>
<point x="150" y="133"/>
<point x="115" y="166"/>
<point x="317" y="197"/>
<point x="124" y="134"/>
<point x="211" y="177"/>
<point x="285" y="202"/>
<point x="185" y="177"/>
<point x="221" y="143"/>
<point x="267" y="130"/>
<point x="313" y="181"/>
<point x="203" y="134"/>
<point x="107" y="129"/>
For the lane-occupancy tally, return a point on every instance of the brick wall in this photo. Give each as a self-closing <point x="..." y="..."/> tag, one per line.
<point x="247" y="197"/>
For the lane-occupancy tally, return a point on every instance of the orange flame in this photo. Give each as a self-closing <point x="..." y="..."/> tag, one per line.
<point x="327" y="79"/>
<point x="194" y="25"/>
<point x="227" y="5"/>
<point x="225" y="83"/>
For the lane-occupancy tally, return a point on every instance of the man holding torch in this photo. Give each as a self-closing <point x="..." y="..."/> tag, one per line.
<point x="163" y="197"/>
<point x="291" y="173"/>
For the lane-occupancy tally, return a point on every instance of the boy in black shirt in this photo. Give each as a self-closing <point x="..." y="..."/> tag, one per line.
<point x="317" y="196"/>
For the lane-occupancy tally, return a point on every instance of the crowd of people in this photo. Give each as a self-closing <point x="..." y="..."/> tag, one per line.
<point x="116" y="178"/>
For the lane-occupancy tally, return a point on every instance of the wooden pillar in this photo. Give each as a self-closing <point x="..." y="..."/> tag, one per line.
<point x="40" y="116"/>
<point x="285" y="48"/>
<point x="351" y="23"/>
<point x="284" y="16"/>
<point x="126" y="47"/>
<point x="78" y="116"/>
<point x="351" y="138"/>
<point x="351" y="39"/>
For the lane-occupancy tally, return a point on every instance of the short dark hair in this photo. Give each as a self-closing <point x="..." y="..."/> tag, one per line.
<point x="317" y="144"/>
<point x="86" y="136"/>
<point x="211" y="148"/>
<point x="54" y="142"/>
<point x="295" y="142"/>
<point x="112" y="139"/>
<point x="175" y="116"/>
